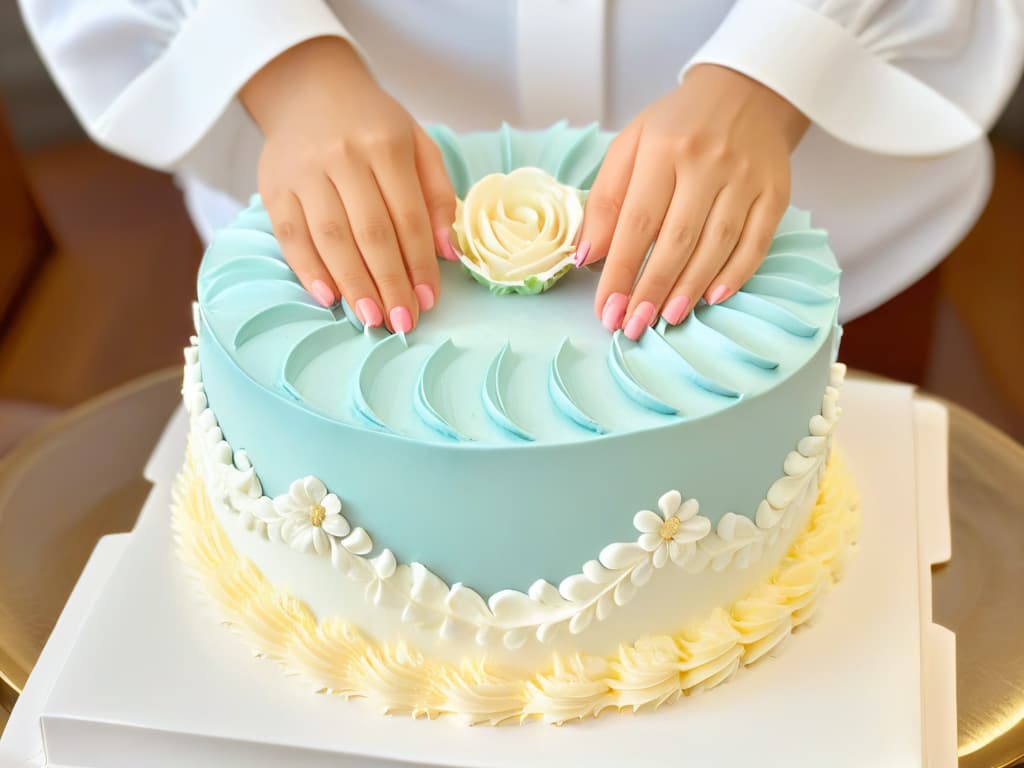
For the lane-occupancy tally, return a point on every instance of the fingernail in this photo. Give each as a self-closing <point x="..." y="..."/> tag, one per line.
<point x="676" y="309"/>
<point x="449" y="250"/>
<point x="401" y="320"/>
<point x="614" y="310"/>
<point x="581" y="254"/>
<point x="369" y="313"/>
<point x="641" y="319"/>
<point x="425" y="296"/>
<point x="322" y="293"/>
<point x="718" y="294"/>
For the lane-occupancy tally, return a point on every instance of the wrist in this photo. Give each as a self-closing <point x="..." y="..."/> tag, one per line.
<point x="790" y="121"/>
<point x="302" y="73"/>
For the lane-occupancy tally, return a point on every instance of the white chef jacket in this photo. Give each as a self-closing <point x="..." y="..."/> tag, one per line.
<point x="900" y="92"/>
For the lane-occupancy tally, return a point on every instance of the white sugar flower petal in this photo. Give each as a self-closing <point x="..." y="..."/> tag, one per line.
<point x="321" y="542"/>
<point x="315" y="490"/>
<point x="331" y="504"/>
<point x="660" y="556"/>
<point x="688" y="509"/>
<point x="646" y="521"/>
<point x="297" y="492"/>
<point x="299" y="537"/>
<point x="680" y="552"/>
<point x="336" y="525"/>
<point x="694" y="529"/>
<point x="649" y="541"/>
<point x="669" y="503"/>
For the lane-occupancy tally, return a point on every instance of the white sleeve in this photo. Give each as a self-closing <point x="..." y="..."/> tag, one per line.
<point x="895" y="77"/>
<point x="156" y="80"/>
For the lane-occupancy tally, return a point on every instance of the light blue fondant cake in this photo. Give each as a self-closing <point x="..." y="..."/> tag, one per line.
<point x="504" y="448"/>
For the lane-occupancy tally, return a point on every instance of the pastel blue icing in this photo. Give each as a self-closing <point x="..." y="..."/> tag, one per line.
<point x="510" y="438"/>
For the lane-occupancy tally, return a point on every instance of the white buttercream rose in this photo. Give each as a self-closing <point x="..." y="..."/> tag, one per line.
<point x="517" y="231"/>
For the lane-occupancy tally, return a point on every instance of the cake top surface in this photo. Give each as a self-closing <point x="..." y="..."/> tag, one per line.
<point x="515" y="370"/>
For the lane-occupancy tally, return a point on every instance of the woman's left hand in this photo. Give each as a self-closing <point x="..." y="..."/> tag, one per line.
<point x="704" y="174"/>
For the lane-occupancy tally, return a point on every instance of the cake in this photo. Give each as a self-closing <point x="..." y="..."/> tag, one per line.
<point x="509" y="513"/>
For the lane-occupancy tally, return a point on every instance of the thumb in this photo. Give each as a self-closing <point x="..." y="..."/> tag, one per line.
<point x="438" y="194"/>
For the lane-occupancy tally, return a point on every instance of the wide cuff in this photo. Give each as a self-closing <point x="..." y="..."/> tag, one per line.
<point x="175" y="101"/>
<point x="824" y="71"/>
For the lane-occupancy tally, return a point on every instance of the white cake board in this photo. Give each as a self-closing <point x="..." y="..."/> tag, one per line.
<point x="154" y="680"/>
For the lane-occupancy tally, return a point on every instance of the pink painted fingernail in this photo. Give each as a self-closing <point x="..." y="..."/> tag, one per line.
<point x="676" y="309"/>
<point x="369" y="313"/>
<point x="449" y="250"/>
<point x="322" y="293"/>
<point x="401" y="320"/>
<point x="425" y="296"/>
<point x="641" y="319"/>
<point x="581" y="254"/>
<point x="718" y="294"/>
<point x="614" y="311"/>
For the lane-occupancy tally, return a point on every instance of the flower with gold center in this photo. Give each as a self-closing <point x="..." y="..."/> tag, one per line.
<point x="673" y="531"/>
<point x="310" y="517"/>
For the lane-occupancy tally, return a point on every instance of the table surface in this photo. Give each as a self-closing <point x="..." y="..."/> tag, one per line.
<point x="975" y="594"/>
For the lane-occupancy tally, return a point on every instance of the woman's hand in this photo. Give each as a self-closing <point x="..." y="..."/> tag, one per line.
<point x="357" y="192"/>
<point x="704" y="174"/>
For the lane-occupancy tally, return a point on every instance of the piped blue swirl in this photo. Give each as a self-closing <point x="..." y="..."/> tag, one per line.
<point x="563" y="397"/>
<point x="385" y="350"/>
<point x="430" y="390"/>
<point x="493" y="395"/>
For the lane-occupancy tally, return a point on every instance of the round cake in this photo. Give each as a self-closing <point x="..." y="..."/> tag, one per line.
<point x="509" y="512"/>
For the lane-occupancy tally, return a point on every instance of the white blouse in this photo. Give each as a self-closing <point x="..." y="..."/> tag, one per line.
<point x="900" y="92"/>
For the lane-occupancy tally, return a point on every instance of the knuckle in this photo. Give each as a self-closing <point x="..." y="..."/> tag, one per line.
<point x="719" y="152"/>
<point x="639" y="220"/>
<point x="684" y="146"/>
<point x="375" y="231"/>
<point x="351" y="279"/>
<point x="409" y="220"/>
<point x="679" y="237"/>
<point x="385" y="143"/>
<point x="440" y="200"/>
<point x="604" y="205"/>
<point x="287" y="231"/>
<point x="724" y="232"/>
<point x="391" y="282"/>
<point x="333" y="230"/>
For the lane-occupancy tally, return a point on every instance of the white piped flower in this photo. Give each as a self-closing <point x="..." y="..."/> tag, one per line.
<point x="675" y="532"/>
<point x="310" y="516"/>
<point x="518" y="230"/>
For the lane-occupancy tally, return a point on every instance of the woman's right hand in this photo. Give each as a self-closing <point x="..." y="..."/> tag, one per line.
<point x="357" y="192"/>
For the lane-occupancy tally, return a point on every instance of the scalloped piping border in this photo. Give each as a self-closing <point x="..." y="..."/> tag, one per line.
<point x="337" y="658"/>
<point x="612" y="579"/>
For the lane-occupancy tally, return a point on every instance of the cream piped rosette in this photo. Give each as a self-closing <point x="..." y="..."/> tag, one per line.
<point x="517" y="231"/>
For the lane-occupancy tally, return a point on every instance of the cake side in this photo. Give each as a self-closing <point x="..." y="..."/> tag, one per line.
<point x="337" y="656"/>
<point x="559" y="431"/>
<point x="303" y="541"/>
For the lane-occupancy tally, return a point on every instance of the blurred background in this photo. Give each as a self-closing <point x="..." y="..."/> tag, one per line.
<point x="98" y="261"/>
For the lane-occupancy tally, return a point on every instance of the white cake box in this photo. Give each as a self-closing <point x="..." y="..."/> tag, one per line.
<point x="154" y="680"/>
